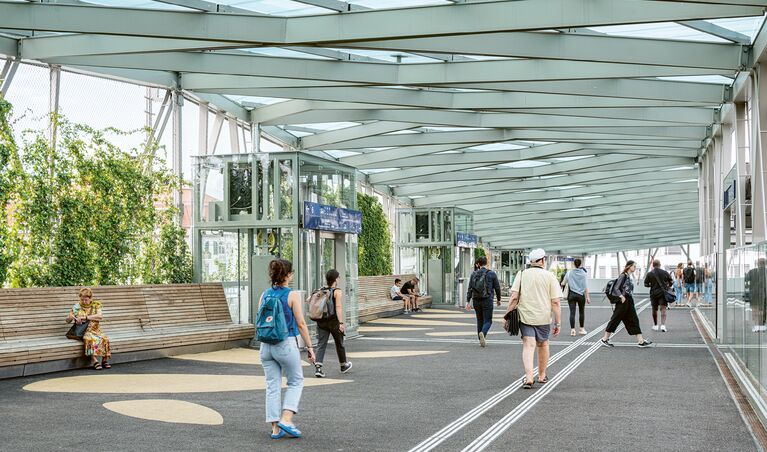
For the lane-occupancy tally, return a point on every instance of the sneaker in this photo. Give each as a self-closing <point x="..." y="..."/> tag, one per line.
<point x="607" y="343"/>
<point x="572" y="332"/>
<point x="663" y="328"/>
<point x="346" y="367"/>
<point x="482" y="341"/>
<point x="644" y="344"/>
<point x="582" y="331"/>
<point x="755" y="329"/>
<point x="655" y="327"/>
<point x="318" y="371"/>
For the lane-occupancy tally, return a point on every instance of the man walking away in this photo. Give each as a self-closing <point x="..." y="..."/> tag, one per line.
<point x="536" y="293"/>
<point x="658" y="280"/>
<point x="689" y="282"/>
<point x="482" y="284"/>
<point x="755" y="285"/>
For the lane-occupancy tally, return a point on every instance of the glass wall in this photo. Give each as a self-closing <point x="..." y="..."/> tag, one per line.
<point x="745" y="312"/>
<point x="224" y="259"/>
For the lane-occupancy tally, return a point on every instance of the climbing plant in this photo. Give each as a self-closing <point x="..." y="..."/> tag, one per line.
<point x="85" y="211"/>
<point x="375" y="252"/>
<point x="479" y="251"/>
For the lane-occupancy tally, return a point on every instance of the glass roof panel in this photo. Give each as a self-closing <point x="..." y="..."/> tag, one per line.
<point x="279" y="52"/>
<point x="277" y="7"/>
<point x="385" y="4"/>
<point x="748" y="26"/>
<point x="329" y="125"/>
<point x="144" y="4"/>
<point x="660" y="30"/>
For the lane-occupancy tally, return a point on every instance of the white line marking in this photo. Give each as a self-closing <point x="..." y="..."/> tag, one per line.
<point x="453" y="428"/>
<point x="497" y="429"/>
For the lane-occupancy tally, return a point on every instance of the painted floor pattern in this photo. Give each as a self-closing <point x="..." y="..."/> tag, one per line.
<point x="419" y="382"/>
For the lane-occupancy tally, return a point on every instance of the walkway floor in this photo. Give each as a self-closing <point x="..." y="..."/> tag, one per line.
<point x="419" y="381"/>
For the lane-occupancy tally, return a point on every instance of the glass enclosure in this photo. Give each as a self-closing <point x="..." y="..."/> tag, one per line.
<point x="707" y="305"/>
<point x="745" y="311"/>
<point x="426" y="246"/>
<point x="247" y="211"/>
<point x="506" y="263"/>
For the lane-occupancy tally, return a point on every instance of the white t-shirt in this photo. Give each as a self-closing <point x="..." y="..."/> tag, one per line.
<point x="394" y="291"/>
<point x="539" y="287"/>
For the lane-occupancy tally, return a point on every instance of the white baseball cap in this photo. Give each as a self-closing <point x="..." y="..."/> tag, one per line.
<point x="536" y="254"/>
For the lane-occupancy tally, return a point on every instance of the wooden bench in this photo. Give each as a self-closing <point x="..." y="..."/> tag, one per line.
<point x="375" y="300"/>
<point x="142" y="322"/>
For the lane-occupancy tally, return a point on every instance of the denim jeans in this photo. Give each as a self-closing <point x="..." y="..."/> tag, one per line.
<point x="276" y="359"/>
<point x="483" y="309"/>
<point x="679" y="293"/>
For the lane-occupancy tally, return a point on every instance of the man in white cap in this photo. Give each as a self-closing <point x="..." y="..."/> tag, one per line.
<point x="536" y="293"/>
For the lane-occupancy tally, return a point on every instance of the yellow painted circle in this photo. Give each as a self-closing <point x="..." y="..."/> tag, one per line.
<point x="162" y="410"/>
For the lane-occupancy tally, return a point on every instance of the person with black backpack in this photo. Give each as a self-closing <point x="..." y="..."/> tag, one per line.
<point x="279" y="321"/>
<point x="482" y="284"/>
<point x="621" y="292"/>
<point x="330" y="324"/>
<point x="658" y="280"/>
<point x="689" y="282"/>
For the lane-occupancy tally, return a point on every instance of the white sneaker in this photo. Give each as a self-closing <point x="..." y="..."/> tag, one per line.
<point x="655" y="327"/>
<point x="482" y="341"/>
<point x="755" y="329"/>
<point x="582" y="331"/>
<point x="572" y="332"/>
<point x="663" y="328"/>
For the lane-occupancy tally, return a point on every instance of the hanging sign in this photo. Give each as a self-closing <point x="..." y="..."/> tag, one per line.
<point x="330" y="218"/>
<point x="466" y="240"/>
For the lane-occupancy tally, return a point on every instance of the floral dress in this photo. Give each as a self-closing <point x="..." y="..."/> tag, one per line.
<point x="96" y="342"/>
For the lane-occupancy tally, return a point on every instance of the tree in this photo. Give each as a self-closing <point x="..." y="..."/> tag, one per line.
<point x="375" y="252"/>
<point x="86" y="212"/>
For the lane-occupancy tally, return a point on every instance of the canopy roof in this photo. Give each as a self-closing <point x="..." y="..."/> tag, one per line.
<point x="566" y="124"/>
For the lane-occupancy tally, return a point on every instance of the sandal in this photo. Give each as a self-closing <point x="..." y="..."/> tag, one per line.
<point x="544" y="381"/>
<point x="527" y="385"/>
<point x="106" y="365"/>
<point x="96" y="365"/>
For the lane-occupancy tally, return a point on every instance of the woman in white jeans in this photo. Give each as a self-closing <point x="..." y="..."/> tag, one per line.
<point x="284" y="356"/>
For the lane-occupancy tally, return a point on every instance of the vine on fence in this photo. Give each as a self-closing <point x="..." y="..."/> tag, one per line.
<point x="85" y="212"/>
<point x="375" y="252"/>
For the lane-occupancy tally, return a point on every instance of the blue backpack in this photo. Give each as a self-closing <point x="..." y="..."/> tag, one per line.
<point x="271" y="326"/>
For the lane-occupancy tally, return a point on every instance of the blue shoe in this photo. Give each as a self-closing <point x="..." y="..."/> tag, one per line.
<point x="279" y="435"/>
<point x="291" y="430"/>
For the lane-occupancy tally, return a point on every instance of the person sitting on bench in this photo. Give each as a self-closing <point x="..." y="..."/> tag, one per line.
<point x="396" y="294"/>
<point x="409" y="289"/>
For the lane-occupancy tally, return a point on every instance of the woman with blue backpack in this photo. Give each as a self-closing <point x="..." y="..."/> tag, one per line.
<point x="279" y="321"/>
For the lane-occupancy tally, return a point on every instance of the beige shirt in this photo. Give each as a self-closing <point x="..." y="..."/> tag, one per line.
<point x="539" y="287"/>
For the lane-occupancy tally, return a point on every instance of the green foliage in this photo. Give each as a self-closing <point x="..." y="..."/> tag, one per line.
<point x="85" y="212"/>
<point x="375" y="253"/>
<point x="479" y="251"/>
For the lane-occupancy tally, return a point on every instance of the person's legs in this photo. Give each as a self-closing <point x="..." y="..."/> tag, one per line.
<point x="414" y="302"/>
<point x="631" y="320"/>
<point x="572" y="303"/>
<point x="619" y="311"/>
<point x="543" y="358"/>
<point x="323" y="334"/>
<point x="479" y="313"/>
<point x="582" y="311"/>
<point x="289" y="359"/>
<point x="663" y="317"/>
<point x="338" y="339"/>
<point x="654" y="313"/>
<point x="406" y="299"/>
<point x="528" y="352"/>
<point x="487" y="314"/>
<point x="273" y="374"/>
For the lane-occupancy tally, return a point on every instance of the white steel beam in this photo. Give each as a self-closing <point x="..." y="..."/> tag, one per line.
<point x="351" y="133"/>
<point x="716" y="30"/>
<point x="457" y="19"/>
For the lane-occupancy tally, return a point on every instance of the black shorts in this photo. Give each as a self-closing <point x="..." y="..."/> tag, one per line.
<point x="658" y="301"/>
<point x="397" y="298"/>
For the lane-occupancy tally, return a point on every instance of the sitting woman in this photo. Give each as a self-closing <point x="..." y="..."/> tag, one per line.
<point x="96" y="343"/>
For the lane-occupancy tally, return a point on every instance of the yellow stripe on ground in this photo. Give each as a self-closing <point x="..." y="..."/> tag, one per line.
<point x="393" y="353"/>
<point x="173" y="411"/>
<point x="160" y="383"/>
<point x="232" y="356"/>
<point x="414" y="322"/>
<point x="439" y="311"/>
<point x="384" y="329"/>
<point x="443" y="316"/>
<point x="459" y="333"/>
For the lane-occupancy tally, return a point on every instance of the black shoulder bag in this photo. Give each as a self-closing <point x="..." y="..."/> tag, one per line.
<point x="511" y="319"/>
<point x="78" y="331"/>
<point x="668" y="294"/>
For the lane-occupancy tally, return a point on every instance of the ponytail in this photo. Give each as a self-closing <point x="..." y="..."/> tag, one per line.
<point x="279" y="269"/>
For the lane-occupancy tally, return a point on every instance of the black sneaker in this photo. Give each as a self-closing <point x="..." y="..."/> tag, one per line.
<point x="346" y="367"/>
<point x="644" y="344"/>
<point x="607" y="343"/>
<point x="318" y="371"/>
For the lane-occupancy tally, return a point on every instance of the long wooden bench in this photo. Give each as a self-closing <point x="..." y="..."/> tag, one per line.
<point x="142" y="322"/>
<point x="375" y="300"/>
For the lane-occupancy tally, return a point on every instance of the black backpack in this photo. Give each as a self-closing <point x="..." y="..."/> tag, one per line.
<point x="689" y="275"/>
<point x="479" y="289"/>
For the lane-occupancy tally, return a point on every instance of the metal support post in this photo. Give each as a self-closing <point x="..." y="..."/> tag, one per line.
<point x="741" y="145"/>
<point x="758" y="165"/>
<point x="177" y="105"/>
<point x="234" y="140"/>
<point x="53" y="104"/>
<point x="6" y="76"/>
<point x="202" y="128"/>
<point x="218" y="123"/>
<point x="255" y="136"/>
<point x="594" y="271"/>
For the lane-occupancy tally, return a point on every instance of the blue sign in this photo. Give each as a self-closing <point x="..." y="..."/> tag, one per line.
<point x="728" y="197"/>
<point x="330" y="218"/>
<point x="466" y="240"/>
